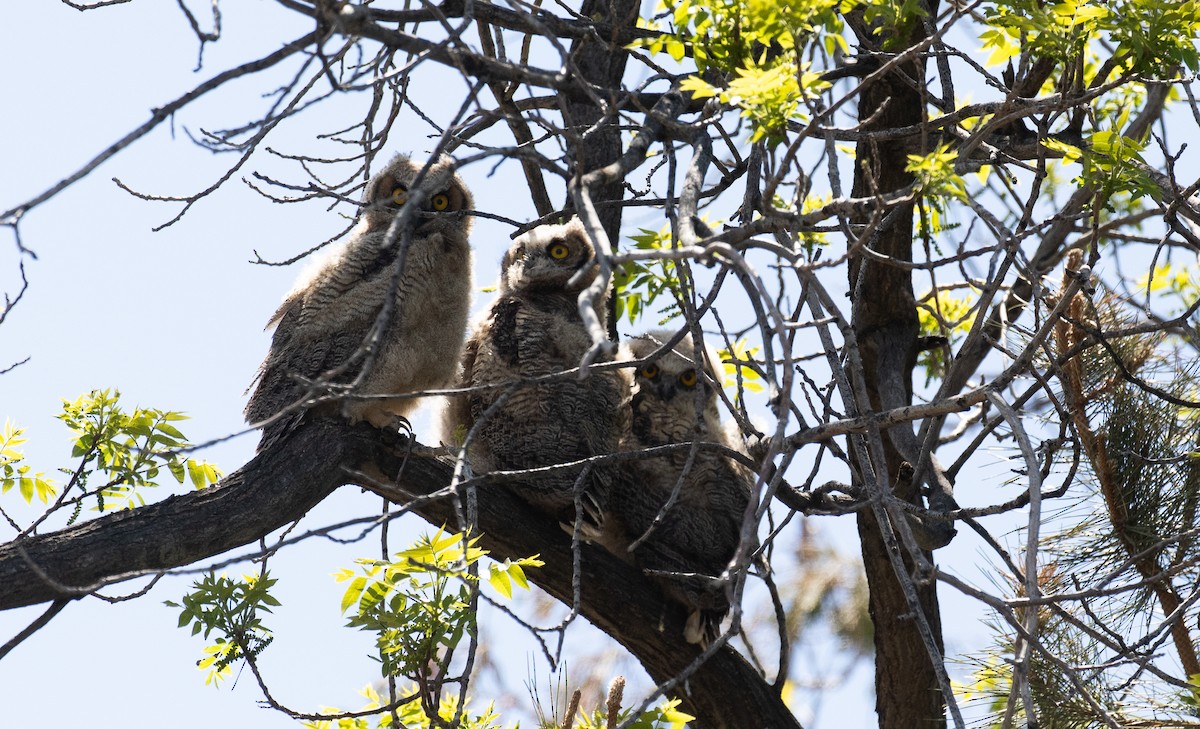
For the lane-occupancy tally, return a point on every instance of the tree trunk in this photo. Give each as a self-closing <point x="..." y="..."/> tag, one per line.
<point x="603" y="66"/>
<point x="886" y="327"/>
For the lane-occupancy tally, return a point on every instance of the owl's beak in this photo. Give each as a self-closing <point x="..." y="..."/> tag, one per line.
<point x="425" y="220"/>
<point x="664" y="388"/>
<point x="584" y="274"/>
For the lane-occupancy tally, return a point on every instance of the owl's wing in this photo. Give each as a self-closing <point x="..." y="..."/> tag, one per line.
<point x="547" y="423"/>
<point x="604" y="428"/>
<point x="517" y="428"/>
<point x="701" y="530"/>
<point x="669" y="555"/>
<point x="704" y="523"/>
<point x="298" y="353"/>
<point x="456" y="417"/>
<point x="263" y="400"/>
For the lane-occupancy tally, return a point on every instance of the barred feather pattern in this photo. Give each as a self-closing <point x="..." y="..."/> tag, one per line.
<point x="532" y="329"/>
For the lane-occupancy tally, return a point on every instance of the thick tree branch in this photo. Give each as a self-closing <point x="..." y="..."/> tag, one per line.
<point x="284" y="482"/>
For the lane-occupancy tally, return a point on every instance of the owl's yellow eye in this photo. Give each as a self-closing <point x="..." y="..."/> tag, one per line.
<point x="650" y="371"/>
<point x="399" y="196"/>
<point x="559" y="251"/>
<point x="688" y="378"/>
<point x="440" y="201"/>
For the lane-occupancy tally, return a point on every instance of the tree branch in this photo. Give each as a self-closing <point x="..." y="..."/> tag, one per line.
<point x="284" y="482"/>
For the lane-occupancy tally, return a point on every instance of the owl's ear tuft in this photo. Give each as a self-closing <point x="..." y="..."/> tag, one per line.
<point x="510" y="257"/>
<point x="381" y="188"/>
<point x="457" y="199"/>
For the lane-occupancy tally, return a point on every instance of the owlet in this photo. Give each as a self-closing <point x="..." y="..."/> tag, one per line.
<point x="533" y="330"/>
<point x="383" y="314"/>
<point x="699" y="528"/>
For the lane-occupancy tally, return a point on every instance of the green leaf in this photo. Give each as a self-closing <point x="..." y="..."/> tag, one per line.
<point x="196" y="475"/>
<point x="499" y="579"/>
<point x="518" y="576"/>
<point x="45" y="488"/>
<point x="699" y="88"/>
<point x="675" y="49"/>
<point x="353" y="592"/>
<point x="1004" y="43"/>
<point x="171" y="431"/>
<point x="674" y="716"/>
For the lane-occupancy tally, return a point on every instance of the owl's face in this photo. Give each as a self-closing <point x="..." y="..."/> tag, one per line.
<point x="441" y="197"/>
<point x="666" y="389"/>
<point x="547" y="258"/>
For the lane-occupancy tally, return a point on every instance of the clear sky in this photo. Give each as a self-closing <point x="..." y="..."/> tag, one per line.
<point x="174" y="319"/>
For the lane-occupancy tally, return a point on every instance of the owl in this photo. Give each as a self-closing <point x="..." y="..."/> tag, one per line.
<point x="675" y="401"/>
<point x="532" y="330"/>
<point x="330" y="329"/>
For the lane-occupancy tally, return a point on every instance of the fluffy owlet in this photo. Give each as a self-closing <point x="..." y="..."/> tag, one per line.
<point x="675" y="401"/>
<point x="532" y="329"/>
<point x="329" y="328"/>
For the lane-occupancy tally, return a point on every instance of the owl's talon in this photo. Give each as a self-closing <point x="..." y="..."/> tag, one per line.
<point x="588" y="532"/>
<point x="593" y="513"/>
<point x="692" y="630"/>
<point x="400" y="424"/>
<point x="701" y="629"/>
<point x="391" y="424"/>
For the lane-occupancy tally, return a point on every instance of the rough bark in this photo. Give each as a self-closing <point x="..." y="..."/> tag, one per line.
<point x="886" y="328"/>
<point x="281" y="484"/>
<point x="601" y="63"/>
